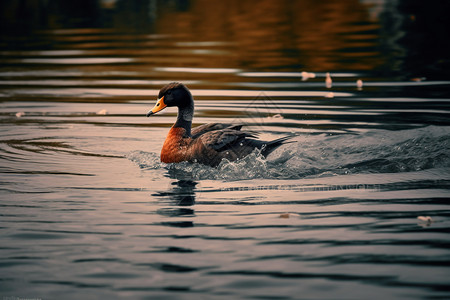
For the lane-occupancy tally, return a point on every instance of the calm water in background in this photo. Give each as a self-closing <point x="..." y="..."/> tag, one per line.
<point x="88" y="211"/>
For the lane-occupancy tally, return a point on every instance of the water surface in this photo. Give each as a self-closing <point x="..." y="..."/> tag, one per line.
<point x="356" y="208"/>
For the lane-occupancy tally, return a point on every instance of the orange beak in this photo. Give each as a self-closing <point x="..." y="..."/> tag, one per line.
<point x="160" y="105"/>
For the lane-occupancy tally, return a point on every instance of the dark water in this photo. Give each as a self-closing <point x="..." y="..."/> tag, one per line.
<point x="357" y="208"/>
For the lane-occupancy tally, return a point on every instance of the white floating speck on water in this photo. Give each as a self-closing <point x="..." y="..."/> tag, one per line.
<point x="359" y="84"/>
<point x="102" y="112"/>
<point x="277" y="116"/>
<point x="20" y="114"/>
<point x="427" y="219"/>
<point x="307" y="75"/>
<point x="328" y="81"/>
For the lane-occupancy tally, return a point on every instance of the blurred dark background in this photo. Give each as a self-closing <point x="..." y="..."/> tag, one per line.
<point x="408" y="38"/>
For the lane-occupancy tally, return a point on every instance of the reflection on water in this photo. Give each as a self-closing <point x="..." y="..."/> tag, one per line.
<point x="412" y="40"/>
<point x="404" y="38"/>
<point x="355" y="208"/>
<point x="182" y="193"/>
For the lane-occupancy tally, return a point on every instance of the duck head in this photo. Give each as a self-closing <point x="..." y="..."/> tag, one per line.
<point x="174" y="94"/>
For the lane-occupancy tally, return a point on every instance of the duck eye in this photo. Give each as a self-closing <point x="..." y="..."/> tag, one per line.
<point x="169" y="92"/>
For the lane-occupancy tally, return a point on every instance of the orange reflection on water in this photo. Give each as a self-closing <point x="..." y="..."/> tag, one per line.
<point x="316" y="35"/>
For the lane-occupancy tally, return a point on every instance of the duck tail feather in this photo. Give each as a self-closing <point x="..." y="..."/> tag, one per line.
<point x="272" y="145"/>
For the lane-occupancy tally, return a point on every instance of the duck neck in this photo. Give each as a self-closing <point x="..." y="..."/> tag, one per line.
<point x="184" y="119"/>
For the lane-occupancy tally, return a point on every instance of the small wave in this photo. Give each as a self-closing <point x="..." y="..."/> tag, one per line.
<point x="145" y="160"/>
<point x="378" y="151"/>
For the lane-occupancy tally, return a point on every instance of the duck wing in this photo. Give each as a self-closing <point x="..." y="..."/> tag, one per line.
<point x="224" y="139"/>
<point x="231" y="144"/>
<point x="202" y="129"/>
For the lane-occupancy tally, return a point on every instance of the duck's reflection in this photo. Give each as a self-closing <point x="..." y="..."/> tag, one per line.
<point x="184" y="194"/>
<point x="181" y="195"/>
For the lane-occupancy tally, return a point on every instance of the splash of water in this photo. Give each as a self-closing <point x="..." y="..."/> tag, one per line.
<point x="145" y="160"/>
<point x="378" y="151"/>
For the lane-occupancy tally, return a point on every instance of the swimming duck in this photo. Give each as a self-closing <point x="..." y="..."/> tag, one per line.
<point x="207" y="144"/>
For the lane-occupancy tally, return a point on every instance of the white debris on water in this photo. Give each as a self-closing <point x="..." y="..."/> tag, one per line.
<point x="276" y="116"/>
<point x="102" y="112"/>
<point x="328" y="81"/>
<point x="427" y="219"/>
<point x="359" y="84"/>
<point x="307" y="75"/>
